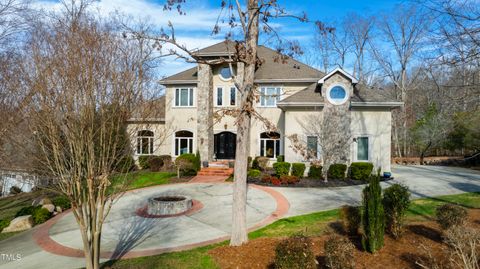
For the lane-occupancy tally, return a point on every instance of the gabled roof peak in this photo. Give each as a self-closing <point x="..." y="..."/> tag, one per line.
<point x="339" y="70"/>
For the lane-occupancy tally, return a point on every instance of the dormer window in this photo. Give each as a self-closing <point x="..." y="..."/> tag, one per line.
<point x="337" y="95"/>
<point x="225" y="73"/>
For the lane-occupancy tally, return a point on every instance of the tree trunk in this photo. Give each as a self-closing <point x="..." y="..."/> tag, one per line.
<point x="239" y="209"/>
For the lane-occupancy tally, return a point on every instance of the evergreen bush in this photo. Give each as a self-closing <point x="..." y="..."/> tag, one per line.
<point x="298" y="169"/>
<point x="373" y="216"/>
<point x="361" y="170"/>
<point x="315" y="171"/>
<point x="337" y="171"/>
<point x="281" y="168"/>
<point x="295" y="252"/>
<point x="396" y="200"/>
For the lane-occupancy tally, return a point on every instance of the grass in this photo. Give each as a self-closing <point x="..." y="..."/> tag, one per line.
<point x="141" y="179"/>
<point x="9" y="206"/>
<point x="310" y="224"/>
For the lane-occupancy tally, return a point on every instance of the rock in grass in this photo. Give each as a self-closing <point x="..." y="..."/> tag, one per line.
<point x="18" y="224"/>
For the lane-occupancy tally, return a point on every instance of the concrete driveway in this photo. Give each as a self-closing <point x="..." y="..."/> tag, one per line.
<point x="214" y="220"/>
<point x="423" y="181"/>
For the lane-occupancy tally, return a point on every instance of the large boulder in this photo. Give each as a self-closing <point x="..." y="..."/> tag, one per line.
<point x="58" y="209"/>
<point x="21" y="223"/>
<point x="41" y="201"/>
<point x="49" y="207"/>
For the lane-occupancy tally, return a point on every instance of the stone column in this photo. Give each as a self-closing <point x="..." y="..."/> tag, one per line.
<point x="336" y="133"/>
<point x="205" y="112"/>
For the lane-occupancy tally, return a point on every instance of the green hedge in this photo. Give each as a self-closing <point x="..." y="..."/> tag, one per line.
<point x="260" y="163"/>
<point x="281" y="168"/>
<point x="298" y="169"/>
<point x="315" y="172"/>
<point x="143" y="161"/>
<point x="373" y="216"/>
<point x="337" y="171"/>
<point x="27" y="210"/>
<point x="125" y="164"/>
<point x="4" y="224"/>
<point x="41" y="215"/>
<point x="361" y="170"/>
<point x="280" y="158"/>
<point x="62" y="202"/>
<point x="191" y="168"/>
<point x="254" y="173"/>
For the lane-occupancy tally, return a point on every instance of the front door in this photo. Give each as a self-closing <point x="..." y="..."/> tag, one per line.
<point x="225" y="145"/>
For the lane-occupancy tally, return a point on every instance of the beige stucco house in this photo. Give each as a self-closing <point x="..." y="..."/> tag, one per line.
<point x="323" y="111"/>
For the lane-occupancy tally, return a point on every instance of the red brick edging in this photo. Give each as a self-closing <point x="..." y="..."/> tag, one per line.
<point x="42" y="237"/>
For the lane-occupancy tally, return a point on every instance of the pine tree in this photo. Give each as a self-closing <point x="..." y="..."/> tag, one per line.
<point x="373" y="217"/>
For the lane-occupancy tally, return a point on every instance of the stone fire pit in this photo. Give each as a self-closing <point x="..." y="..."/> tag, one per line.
<point x="169" y="205"/>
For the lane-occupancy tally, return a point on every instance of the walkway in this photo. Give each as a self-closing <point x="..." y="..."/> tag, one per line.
<point x="128" y="235"/>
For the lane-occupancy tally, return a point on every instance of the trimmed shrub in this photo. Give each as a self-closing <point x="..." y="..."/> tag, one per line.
<point x="166" y="160"/>
<point x="254" y="174"/>
<point x="298" y="169"/>
<point x="281" y="169"/>
<point x="280" y="158"/>
<point x="295" y="252"/>
<point x="125" y="164"/>
<point x="373" y="217"/>
<point x="186" y="165"/>
<point x="198" y="161"/>
<point x="361" y="170"/>
<point x="337" y="171"/>
<point x="155" y="163"/>
<point x="28" y="210"/>
<point x="62" y="202"/>
<point x="260" y="163"/>
<point x="315" y="171"/>
<point x="272" y="180"/>
<point x="396" y="200"/>
<point x="4" y="224"/>
<point x="339" y="253"/>
<point x="450" y="215"/>
<point x="289" y="179"/>
<point x="143" y="162"/>
<point x="15" y="190"/>
<point x="40" y="215"/>
<point x="351" y="217"/>
<point x="249" y="162"/>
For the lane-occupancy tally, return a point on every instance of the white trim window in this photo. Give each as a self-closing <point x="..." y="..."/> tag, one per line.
<point x="270" y="144"/>
<point x="312" y="147"/>
<point x="184" y="97"/>
<point x="225" y="73"/>
<point x="183" y="142"/>
<point x="337" y="94"/>
<point x="145" y="142"/>
<point x="222" y="94"/>
<point x="269" y="96"/>
<point x="362" y="153"/>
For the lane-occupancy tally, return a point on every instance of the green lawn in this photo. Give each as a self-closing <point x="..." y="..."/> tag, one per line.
<point x="140" y="179"/>
<point x="310" y="224"/>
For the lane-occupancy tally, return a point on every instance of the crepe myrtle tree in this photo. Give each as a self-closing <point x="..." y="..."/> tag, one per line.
<point x="243" y="22"/>
<point x="86" y="84"/>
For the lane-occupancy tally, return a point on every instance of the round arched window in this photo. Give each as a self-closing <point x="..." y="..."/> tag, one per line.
<point x="337" y="95"/>
<point x="225" y="73"/>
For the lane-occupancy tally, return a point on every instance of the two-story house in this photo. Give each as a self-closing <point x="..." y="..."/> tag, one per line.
<point x="321" y="110"/>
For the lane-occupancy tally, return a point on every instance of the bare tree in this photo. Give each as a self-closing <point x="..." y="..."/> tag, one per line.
<point x="87" y="82"/>
<point x="403" y="33"/>
<point x="244" y="21"/>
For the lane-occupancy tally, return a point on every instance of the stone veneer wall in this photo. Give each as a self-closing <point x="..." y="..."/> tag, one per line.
<point x="205" y="112"/>
<point x="336" y="133"/>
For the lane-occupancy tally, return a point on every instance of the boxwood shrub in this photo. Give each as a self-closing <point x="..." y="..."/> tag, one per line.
<point x="260" y="163"/>
<point x="315" y="171"/>
<point x="298" y="169"/>
<point x="143" y="161"/>
<point x="254" y="174"/>
<point x="188" y="163"/>
<point x="62" y="202"/>
<point x="281" y="168"/>
<point x="40" y="215"/>
<point x="361" y="170"/>
<point x="280" y="158"/>
<point x="27" y="210"/>
<point x="337" y="171"/>
<point x="295" y="252"/>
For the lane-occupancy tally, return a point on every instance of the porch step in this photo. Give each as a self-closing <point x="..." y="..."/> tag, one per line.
<point x="216" y="171"/>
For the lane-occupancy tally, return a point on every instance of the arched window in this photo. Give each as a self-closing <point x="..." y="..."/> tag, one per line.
<point x="145" y="142"/>
<point x="183" y="142"/>
<point x="270" y="144"/>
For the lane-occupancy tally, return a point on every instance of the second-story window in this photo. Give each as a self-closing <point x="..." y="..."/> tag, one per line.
<point x="233" y="96"/>
<point x="269" y="96"/>
<point x="184" y="97"/>
<point x="219" y="96"/>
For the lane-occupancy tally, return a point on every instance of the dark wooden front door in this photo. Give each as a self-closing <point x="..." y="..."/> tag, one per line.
<point x="225" y="145"/>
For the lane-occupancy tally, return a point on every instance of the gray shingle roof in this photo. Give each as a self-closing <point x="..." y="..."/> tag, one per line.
<point x="362" y="93"/>
<point x="271" y="69"/>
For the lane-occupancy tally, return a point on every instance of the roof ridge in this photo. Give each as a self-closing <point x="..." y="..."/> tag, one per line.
<point x="298" y="61"/>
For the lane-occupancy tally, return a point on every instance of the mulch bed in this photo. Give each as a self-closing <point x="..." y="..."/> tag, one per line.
<point x="314" y="183"/>
<point x="402" y="253"/>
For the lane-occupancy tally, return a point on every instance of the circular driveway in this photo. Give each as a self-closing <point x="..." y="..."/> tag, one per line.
<point x="125" y="234"/>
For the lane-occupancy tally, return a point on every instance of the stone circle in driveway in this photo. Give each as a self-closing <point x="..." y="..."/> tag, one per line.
<point x="125" y="234"/>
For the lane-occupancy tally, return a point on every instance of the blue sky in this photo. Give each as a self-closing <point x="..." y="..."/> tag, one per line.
<point x="194" y="29"/>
